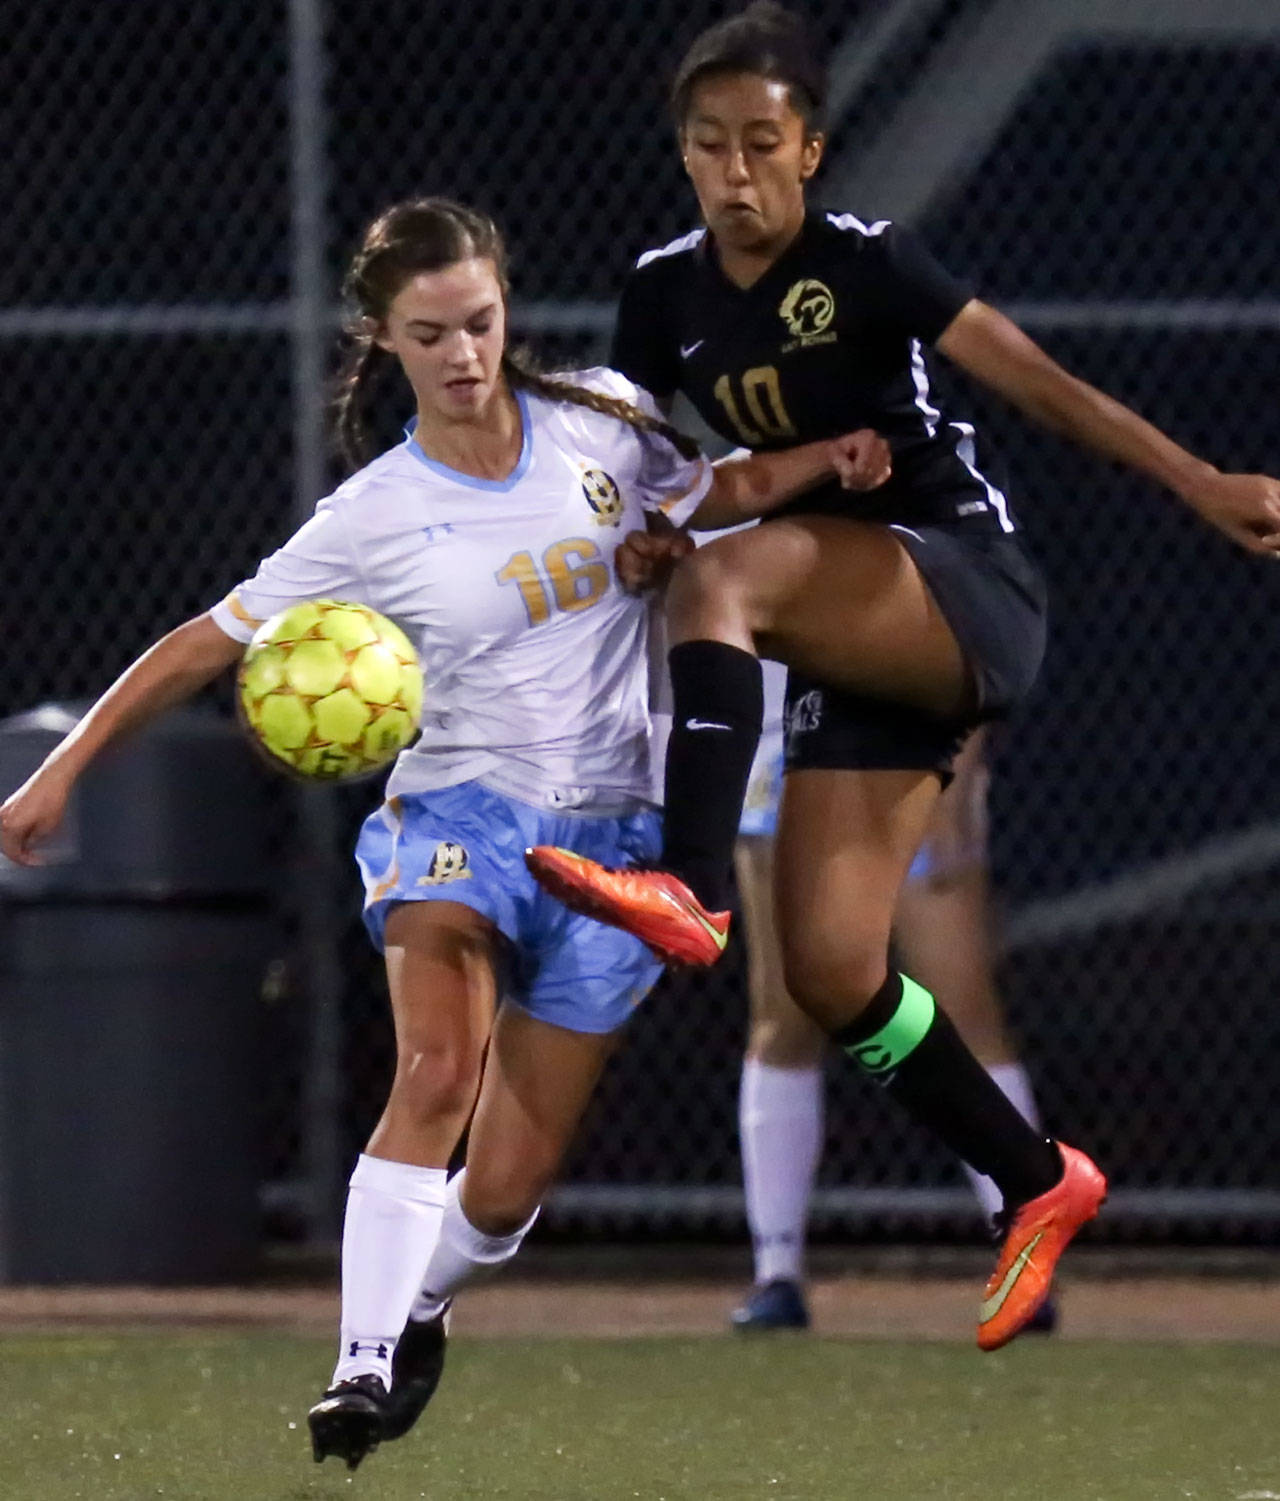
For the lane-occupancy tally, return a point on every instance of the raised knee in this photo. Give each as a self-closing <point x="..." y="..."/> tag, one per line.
<point x="833" y="988"/>
<point x="711" y="571"/>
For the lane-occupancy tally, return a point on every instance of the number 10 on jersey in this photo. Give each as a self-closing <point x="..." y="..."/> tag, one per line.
<point x="571" y="588"/>
<point x="762" y="392"/>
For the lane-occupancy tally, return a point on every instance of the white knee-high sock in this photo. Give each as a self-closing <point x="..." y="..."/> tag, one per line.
<point x="462" y="1253"/>
<point x="780" y="1112"/>
<point x="394" y="1210"/>
<point x="1016" y="1087"/>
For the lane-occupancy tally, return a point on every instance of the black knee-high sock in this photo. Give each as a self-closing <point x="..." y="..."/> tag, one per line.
<point x="719" y="708"/>
<point x="904" y="1040"/>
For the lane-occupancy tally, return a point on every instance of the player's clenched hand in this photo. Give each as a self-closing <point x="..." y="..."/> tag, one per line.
<point x="33" y="812"/>
<point x="862" y="460"/>
<point x="645" y="560"/>
<point x="1244" y="506"/>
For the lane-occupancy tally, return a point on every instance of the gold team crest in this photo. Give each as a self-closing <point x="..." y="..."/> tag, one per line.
<point x="808" y="310"/>
<point x="448" y="863"/>
<point x="603" y="497"/>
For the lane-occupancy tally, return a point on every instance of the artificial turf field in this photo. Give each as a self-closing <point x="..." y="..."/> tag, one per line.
<point x="120" y="1417"/>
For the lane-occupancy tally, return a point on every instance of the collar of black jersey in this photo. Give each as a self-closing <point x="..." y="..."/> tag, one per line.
<point x="709" y="261"/>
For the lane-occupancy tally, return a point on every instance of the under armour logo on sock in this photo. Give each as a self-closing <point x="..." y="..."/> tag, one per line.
<point x="356" y="1347"/>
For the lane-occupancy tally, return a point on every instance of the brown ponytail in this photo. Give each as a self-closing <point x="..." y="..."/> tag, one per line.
<point x="522" y="377"/>
<point x="361" y="371"/>
<point x="431" y="234"/>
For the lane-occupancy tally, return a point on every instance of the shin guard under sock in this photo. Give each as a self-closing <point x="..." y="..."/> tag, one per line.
<point x="718" y="699"/>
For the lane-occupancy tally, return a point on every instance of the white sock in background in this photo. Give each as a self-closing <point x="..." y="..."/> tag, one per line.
<point x="1016" y="1087"/>
<point x="780" y="1114"/>
<point x="462" y="1254"/>
<point x="394" y="1210"/>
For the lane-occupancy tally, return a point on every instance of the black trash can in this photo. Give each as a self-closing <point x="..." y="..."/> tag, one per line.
<point x="131" y="966"/>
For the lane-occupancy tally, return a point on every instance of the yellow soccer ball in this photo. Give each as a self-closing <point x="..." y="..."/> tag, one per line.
<point x="330" y="690"/>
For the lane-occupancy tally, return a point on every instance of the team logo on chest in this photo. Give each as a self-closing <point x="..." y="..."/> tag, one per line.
<point x="448" y="863"/>
<point x="603" y="497"/>
<point x="808" y="310"/>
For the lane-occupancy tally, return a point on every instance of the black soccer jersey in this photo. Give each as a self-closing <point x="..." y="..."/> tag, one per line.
<point x="830" y="338"/>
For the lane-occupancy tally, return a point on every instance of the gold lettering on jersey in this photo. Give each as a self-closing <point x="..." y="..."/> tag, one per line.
<point x="603" y="497"/>
<point x="762" y="397"/>
<point x="807" y="310"/>
<point x="521" y="570"/>
<point x="575" y="585"/>
<point x="576" y="588"/>
<point x="723" y="392"/>
<point x="763" y="392"/>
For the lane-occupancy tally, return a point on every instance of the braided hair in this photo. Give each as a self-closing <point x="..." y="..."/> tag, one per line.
<point x="766" y="40"/>
<point x="431" y="234"/>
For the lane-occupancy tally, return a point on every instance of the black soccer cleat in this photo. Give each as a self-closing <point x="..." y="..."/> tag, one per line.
<point x="348" y="1420"/>
<point x="415" y="1372"/>
<point x="774" y="1305"/>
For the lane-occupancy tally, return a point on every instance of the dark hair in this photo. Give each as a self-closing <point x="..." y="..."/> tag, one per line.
<point x="765" y="39"/>
<point x="431" y="234"/>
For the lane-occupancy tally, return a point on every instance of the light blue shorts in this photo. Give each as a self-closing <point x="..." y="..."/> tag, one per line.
<point x="764" y="787"/>
<point x="466" y="844"/>
<point x="922" y="867"/>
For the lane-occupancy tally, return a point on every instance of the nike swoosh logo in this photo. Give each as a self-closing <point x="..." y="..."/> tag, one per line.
<point x="704" y="724"/>
<point x="992" y="1305"/>
<point x="690" y="349"/>
<point x="720" y="939"/>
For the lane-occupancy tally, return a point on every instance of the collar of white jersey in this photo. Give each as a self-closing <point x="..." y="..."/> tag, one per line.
<point x="472" y="481"/>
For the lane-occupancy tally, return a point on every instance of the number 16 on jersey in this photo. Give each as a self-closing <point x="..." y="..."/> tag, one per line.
<point x="573" y="577"/>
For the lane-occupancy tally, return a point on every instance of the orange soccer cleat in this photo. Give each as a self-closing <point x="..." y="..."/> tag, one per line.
<point x="653" y="904"/>
<point x="1040" y="1232"/>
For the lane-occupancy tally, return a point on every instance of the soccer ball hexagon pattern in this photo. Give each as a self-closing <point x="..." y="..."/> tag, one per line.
<point x="330" y="690"/>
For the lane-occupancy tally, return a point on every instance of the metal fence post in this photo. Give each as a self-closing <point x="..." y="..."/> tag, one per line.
<point x="319" y="918"/>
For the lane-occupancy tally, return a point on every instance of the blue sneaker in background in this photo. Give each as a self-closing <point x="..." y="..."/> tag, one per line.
<point x="776" y="1305"/>
<point x="1044" y="1320"/>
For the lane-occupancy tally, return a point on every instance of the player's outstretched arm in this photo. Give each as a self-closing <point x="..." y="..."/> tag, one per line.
<point x="749" y="485"/>
<point x="177" y="666"/>
<point x="995" y="351"/>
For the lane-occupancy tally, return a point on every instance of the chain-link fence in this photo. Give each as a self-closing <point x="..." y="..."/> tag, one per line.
<point x="185" y="187"/>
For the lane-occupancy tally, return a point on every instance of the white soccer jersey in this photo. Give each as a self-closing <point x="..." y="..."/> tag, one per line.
<point x="534" y="658"/>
